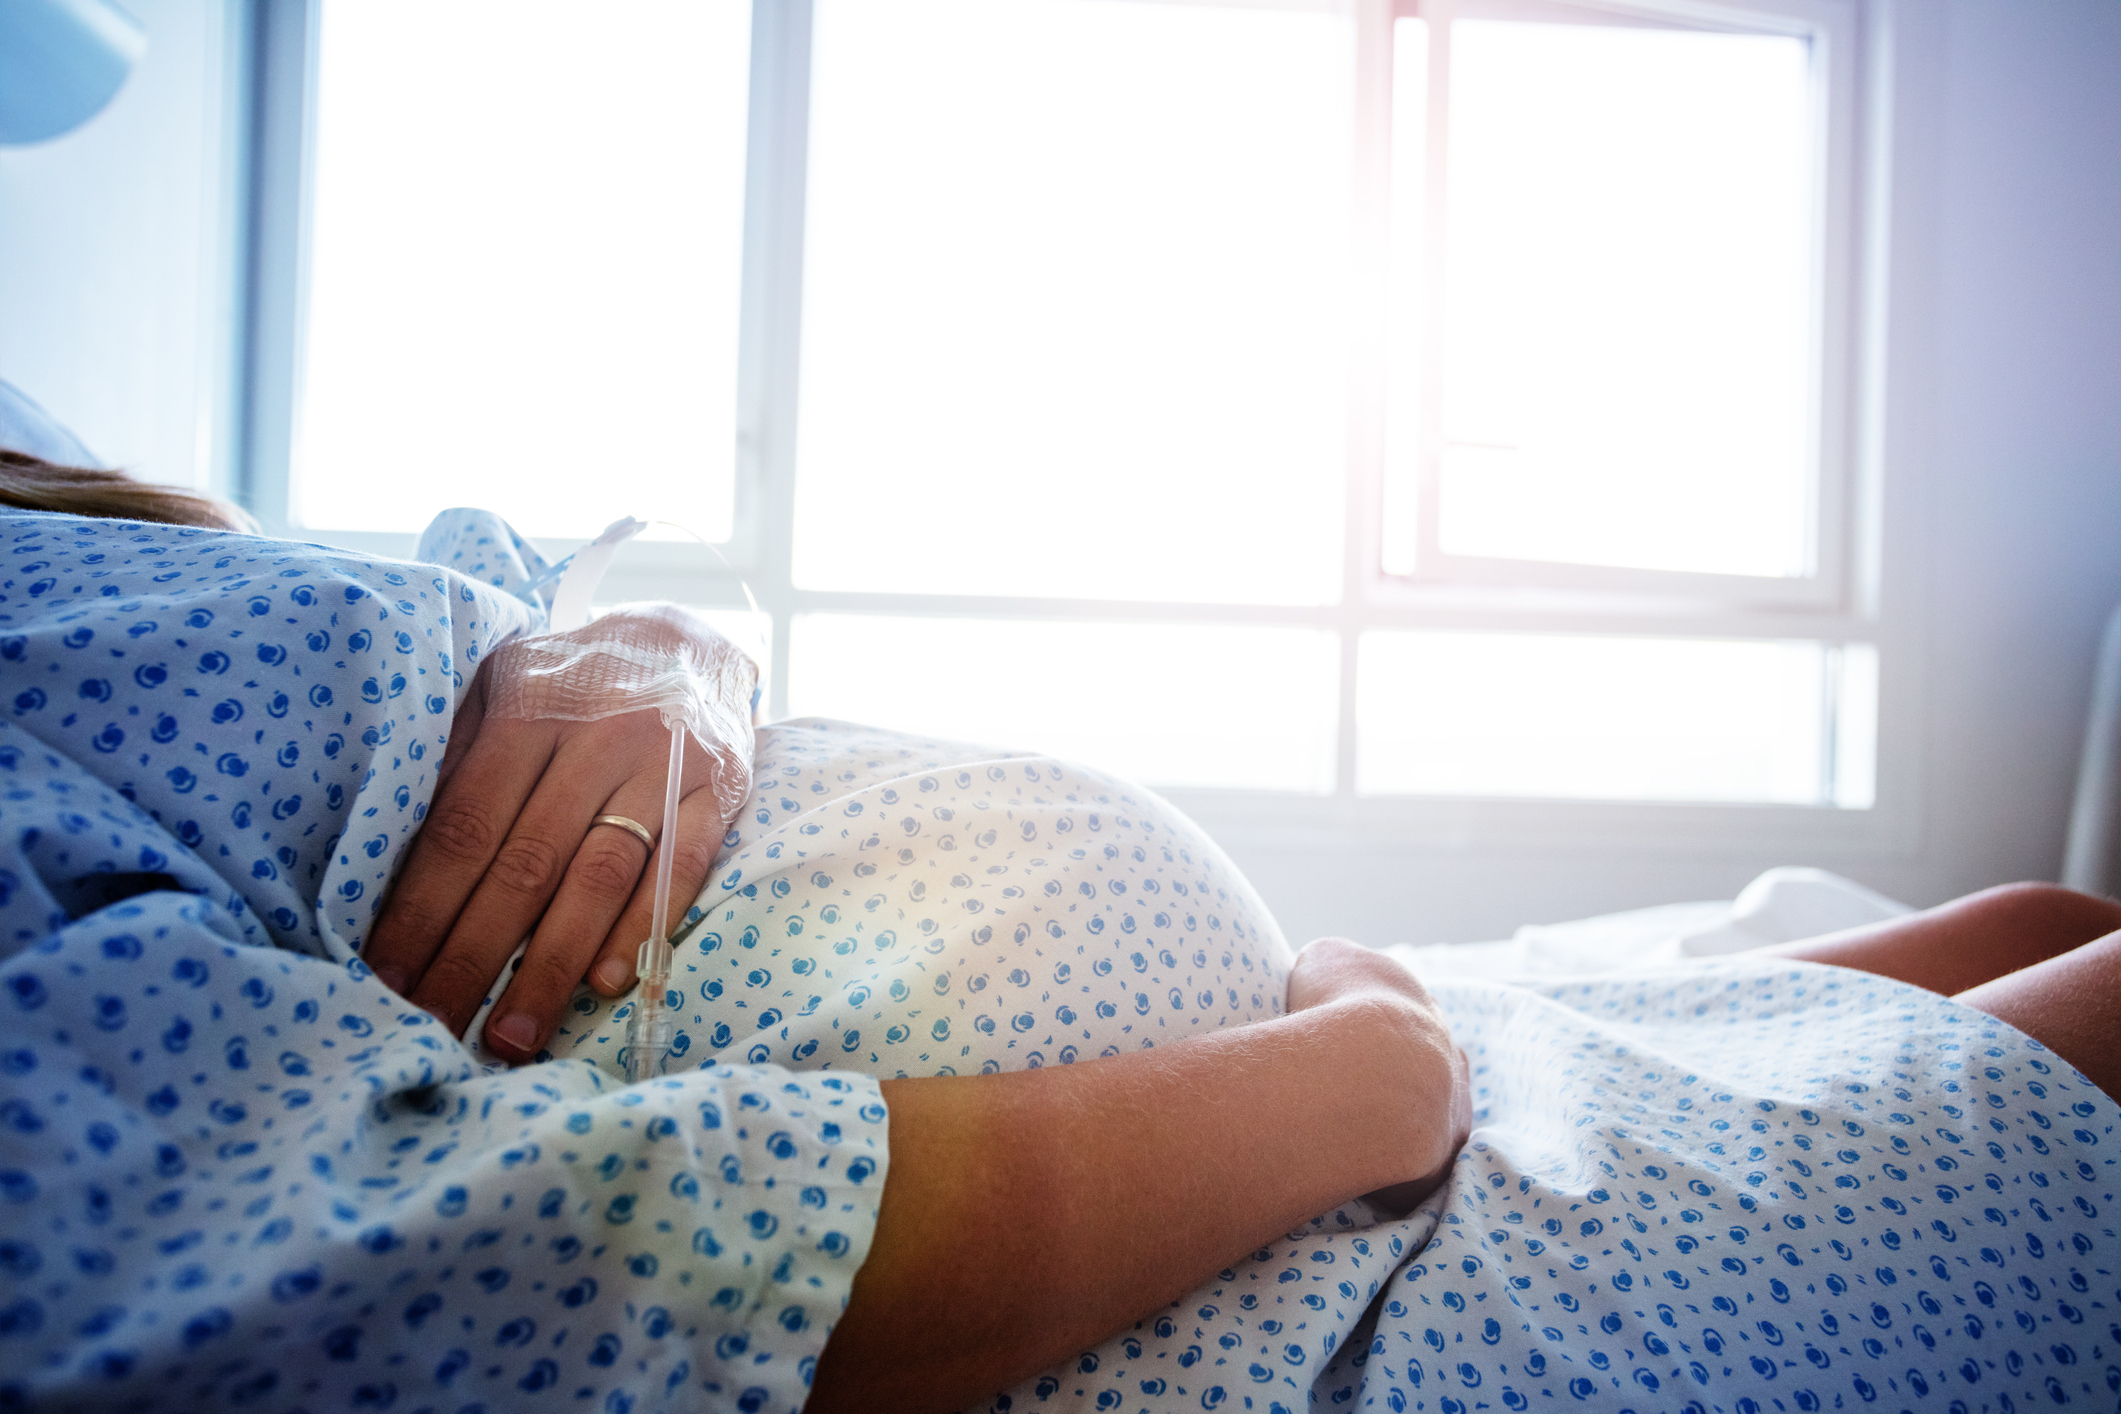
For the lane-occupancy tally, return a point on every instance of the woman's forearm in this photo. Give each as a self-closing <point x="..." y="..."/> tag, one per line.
<point x="1028" y="1215"/>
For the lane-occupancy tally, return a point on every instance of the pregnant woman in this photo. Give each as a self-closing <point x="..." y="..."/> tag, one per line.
<point x="238" y="1169"/>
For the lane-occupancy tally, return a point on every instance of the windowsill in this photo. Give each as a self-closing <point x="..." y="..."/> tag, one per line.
<point x="1258" y="820"/>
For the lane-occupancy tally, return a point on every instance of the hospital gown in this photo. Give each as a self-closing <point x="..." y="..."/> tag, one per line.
<point x="1742" y="1186"/>
<point x="235" y="1170"/>
<point x="1739" y="1185"/>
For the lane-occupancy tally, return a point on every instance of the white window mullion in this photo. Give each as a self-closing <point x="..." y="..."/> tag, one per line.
<point x="1370" y="347"/>
<point x="1436" y="16"/>
<point x="770" y="341"/>
<point x="1837" y="374"/>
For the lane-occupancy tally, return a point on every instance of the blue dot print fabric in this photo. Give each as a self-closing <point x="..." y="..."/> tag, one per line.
<point x="1738" y="1188"/>
<point x="908" y="907"/>
<point x="1708" y="1189"/>
<point x="238" y="1172"/>
<point x="1752" y="1185"/>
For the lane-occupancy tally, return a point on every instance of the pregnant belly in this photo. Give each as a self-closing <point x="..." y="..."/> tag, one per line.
<point x="904" y="907"/>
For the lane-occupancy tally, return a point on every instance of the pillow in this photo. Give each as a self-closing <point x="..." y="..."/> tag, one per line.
<point x="26" y="427"/>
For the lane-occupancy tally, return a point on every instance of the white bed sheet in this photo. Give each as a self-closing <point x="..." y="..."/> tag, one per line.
<point x="1782" y="905"/>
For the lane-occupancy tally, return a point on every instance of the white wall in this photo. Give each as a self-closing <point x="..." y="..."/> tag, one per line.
<point x="114" y="278"/>
<point x="2025" y="455"/>
<point x="2002" y="456"/>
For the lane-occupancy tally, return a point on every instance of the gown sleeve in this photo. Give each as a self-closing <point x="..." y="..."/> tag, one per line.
<point x="229" y="1170"/>
<point x="237" y="1171"/>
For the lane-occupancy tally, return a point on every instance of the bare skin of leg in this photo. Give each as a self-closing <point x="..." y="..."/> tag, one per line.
<point x="2071" y="1004"/>
<point x="2044" y="958"/>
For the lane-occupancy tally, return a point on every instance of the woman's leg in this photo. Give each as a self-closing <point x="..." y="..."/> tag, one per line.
<point x="1969" y="941"/>
<point x="2044" y="958"/>
<point x="2070" y="1004"/>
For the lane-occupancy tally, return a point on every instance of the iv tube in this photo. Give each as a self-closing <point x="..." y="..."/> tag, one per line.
<point x="649" y="1034"/>
<point x="652" y="1028"/>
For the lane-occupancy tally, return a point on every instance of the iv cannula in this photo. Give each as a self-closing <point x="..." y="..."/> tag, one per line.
<point x="649" y="1034"/>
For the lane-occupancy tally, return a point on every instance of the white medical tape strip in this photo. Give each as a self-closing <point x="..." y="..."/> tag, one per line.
<point x="636" y="657"/>
<point x="585" y="571"/>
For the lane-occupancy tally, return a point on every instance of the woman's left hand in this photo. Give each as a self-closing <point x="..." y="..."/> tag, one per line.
<point x="508" y="848"/>
<point x="1333" y="970"/>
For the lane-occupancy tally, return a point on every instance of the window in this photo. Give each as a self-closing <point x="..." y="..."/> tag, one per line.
<point x="1357" y="411"/>
<point x="1603" y="344"/>
<point x="1101" y="331"/>
<point x="524" y="264"/>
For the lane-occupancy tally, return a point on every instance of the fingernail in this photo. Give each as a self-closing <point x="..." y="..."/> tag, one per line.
<point x="612" y="974"/>
<point x="517" y="1030"/>
<point x="392" y="978"/>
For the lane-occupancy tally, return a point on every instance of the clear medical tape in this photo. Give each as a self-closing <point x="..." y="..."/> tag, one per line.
<point x="637" y="657"/>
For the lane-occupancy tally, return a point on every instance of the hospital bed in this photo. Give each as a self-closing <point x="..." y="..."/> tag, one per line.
<point x="1780" y="906"/>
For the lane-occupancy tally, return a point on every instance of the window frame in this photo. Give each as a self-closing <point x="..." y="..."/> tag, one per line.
<point x="1840" y="603"/>
<point x="1828" y="27"/>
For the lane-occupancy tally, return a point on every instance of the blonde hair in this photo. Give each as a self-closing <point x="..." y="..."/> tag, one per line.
<point x="33" y="484"/>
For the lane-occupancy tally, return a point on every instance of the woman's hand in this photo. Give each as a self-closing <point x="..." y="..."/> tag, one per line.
<point x="508" y="847"/>
<point x="1334" y="970"/>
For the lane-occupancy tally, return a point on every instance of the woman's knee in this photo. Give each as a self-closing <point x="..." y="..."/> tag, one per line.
<point x="2041" y="918"/>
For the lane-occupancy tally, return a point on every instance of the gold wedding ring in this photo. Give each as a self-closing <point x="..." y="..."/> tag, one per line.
<point x="638" y="830"/>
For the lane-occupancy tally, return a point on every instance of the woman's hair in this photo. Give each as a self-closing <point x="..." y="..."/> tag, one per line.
<point x="33" y="484"/>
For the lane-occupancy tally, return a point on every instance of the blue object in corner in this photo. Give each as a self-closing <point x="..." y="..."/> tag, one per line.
<point x="60" y="62"/>
<point x="26" y="427"/>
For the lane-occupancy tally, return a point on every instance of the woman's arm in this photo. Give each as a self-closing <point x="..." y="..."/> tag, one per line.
<point x="1028" y="1215"/>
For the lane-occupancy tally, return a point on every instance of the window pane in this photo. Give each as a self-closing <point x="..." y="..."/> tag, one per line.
<point x="1578" y="717"/>
<point x="524" y="263"/>
<point x="1164" y="704"/>
<point x="1072" y="311"/>
<point x="1856" y="728"/>
<point x="1629" y="298"/>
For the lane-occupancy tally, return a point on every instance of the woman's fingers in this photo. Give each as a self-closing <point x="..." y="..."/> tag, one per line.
<point x="597" y="883"/>
<point x="592" y="763"/>
<point x="604" y="908"/>
<point x="1330" y="968"/>
<point x="510" y="847"/>
<point x="465" y="829"/>
<point x="700" y="829"/>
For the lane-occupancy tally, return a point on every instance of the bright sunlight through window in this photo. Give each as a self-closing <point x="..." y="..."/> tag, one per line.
<point x="1348" y="403"/>
<point x="1075" y="300"/>
<point x="1629" y="297"/>
<point x="525" y="254"/>
<point x="1608" y="718"/>
<point x="1187" y="705"/>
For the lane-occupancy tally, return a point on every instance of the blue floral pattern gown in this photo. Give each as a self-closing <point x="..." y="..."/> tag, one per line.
<point x="237" y="1172"/>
